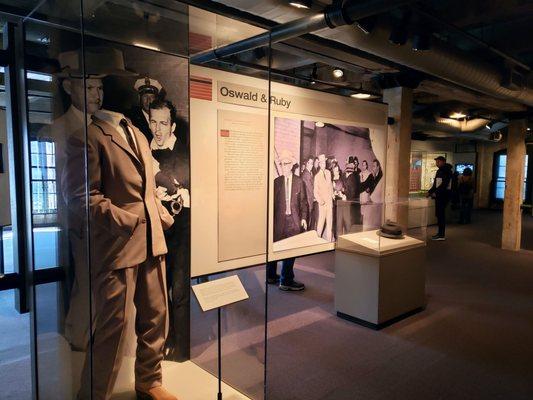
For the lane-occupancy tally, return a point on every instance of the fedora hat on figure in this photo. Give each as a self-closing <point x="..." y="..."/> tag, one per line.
<point x="99" y="62"/>
<point x="286" y="155"/>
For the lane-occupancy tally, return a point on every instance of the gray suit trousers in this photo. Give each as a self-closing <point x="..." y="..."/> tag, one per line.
<point x="116" y="292"/>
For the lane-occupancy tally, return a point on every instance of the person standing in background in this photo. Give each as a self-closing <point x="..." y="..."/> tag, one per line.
<point x="367" y="183"/>
<point x="465" y="190"/>
<point x="323" y="192"/>
<point x="350" y="213"/>
<point x="148" y="90"/>
<point x="377" y="172"/>
<point x="308" y="179"/>
<point x="441" y="192"/>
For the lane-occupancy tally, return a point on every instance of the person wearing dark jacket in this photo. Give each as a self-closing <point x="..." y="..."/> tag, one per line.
<point x="465" y="191"/>
<point x="441" y="191"/>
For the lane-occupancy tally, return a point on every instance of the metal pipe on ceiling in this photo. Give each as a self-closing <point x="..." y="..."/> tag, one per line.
<point x="337" y="14"/>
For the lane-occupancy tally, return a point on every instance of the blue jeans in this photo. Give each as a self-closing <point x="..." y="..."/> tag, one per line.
<point x="287" y="270"/>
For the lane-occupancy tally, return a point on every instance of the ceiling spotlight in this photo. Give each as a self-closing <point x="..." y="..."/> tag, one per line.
<point x="366" y="24"/>
<point x="457" y="115"/>
<point x="319" y="124"/>
<point x="338" y="73"/>
<point x="259" y="53"/>
<point x="398" y="35"/>
<point x="360" y="95"/>
<point x="314" y="75"/>
<point x="421" y="40"/>
<point x="399" y="32"/>
<point x="301" y="4"/>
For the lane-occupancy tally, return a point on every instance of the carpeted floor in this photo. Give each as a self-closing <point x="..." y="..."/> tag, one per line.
<point x="473" y="341"/>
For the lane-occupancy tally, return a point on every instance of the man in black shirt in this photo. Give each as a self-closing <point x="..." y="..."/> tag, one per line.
<point x="441" y="191"/>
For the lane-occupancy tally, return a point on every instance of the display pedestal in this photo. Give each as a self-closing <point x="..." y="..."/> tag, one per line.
<point x="378" y="290"/>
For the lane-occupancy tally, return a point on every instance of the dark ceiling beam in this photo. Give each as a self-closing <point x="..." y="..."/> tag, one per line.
<point x="449" y="92"/>
<point x="474" y="39"/>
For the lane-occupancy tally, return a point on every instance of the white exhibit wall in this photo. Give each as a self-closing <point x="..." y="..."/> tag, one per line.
<point x="210" y="116"/>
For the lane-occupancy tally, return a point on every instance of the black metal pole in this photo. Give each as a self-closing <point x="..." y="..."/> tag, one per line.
<point x="2" y="267"/>
<point x="219" y="396"/>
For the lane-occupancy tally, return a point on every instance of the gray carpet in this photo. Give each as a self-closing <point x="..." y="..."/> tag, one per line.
<point x="474" y="340"/>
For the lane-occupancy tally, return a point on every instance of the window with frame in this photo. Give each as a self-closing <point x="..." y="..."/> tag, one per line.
<point x="43" y="178"/>
<point x="499" y="179"/>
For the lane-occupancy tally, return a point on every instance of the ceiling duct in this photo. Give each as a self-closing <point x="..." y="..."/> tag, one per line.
<point x="338" y="14"/>
<point x="441" y="61"/>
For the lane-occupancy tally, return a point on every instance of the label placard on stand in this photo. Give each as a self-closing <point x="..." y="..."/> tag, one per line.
<point x="220" y="292"/>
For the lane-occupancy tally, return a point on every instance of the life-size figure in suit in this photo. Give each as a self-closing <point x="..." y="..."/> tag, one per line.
<point x="127" y="252"/>
<point x="83" y="95"/>
<point x="323" y="191"/>
<point x="290" y="201"/>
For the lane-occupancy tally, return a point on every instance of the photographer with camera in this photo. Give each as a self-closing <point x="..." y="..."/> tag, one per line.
<point x="171" y="166"/>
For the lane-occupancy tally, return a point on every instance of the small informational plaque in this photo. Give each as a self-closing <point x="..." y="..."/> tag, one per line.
<point x="220" y="292"/>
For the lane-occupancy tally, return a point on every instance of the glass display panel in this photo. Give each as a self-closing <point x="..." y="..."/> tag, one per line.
<point x="380" y="229"/>
<point x="229" y="135"/>
<point x="56" y="96"/>
<point x="327" y="148"/>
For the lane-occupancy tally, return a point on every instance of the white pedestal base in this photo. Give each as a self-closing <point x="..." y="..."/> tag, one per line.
<point x="376" y="290"/>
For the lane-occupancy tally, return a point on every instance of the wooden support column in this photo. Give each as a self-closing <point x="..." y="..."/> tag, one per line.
<point x="514" y="180"/>
<point x="400" y="101"/>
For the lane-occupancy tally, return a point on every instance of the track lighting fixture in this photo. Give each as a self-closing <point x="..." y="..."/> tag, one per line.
<point x="398" y="35"/>
<point x="421" y="40"/>
<point x="338" y="73"/>
<point x="314" y="75"/>
<point x="361" y="95"/>
<point x="301" y="3"/>
<point x="366" y="25"/>
<point x="458" y="115"/>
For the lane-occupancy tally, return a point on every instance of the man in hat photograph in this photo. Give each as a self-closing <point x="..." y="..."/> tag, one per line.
<point x="308" y="178"/>
<point x="290" y="200"/>
<point x="148" y="90"/>
<point x="323" y="191"/>
<point x="350" y="213"/>
<point x="441" y="192"/>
